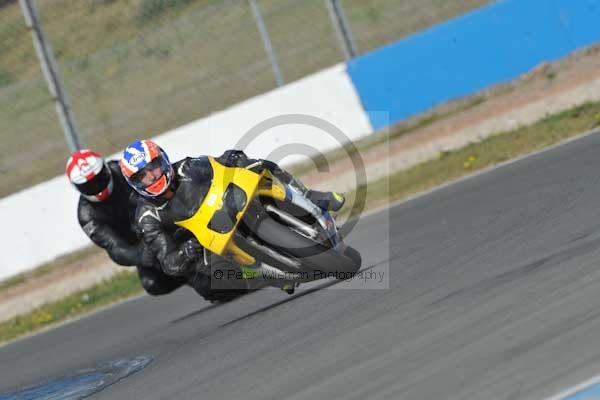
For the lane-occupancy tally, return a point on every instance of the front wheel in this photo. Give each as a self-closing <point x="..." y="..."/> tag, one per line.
<point x="313" y="256"/>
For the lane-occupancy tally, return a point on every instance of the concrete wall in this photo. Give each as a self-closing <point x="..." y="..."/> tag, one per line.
<point x="490" y="45"/>
<point x="328" y="95"/>
<point x="40" y="222"/>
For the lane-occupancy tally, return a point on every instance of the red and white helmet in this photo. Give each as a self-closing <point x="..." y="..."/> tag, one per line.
<point x="90" y="175"/>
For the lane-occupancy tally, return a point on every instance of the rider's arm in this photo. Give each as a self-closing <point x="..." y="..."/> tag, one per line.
<point x="237" y="158"/>
<point x="173" y="260"/>
<point x="103" y="236"/>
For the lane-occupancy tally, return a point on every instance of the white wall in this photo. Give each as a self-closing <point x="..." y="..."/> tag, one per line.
<point x="329" y="95"/>
<point x="40" y="223"/>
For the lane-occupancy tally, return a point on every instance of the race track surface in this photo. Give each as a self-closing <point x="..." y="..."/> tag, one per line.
<point x="494" y="294"/>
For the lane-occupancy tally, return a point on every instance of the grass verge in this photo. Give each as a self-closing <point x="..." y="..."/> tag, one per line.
<point x="119" y="287"/>
<point x="477" y="156"/>
<point x="449" y="166"/>
<point x="394" y="133"/>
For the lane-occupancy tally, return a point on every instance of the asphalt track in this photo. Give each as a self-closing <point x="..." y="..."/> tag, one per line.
<point x="494" y="294"/>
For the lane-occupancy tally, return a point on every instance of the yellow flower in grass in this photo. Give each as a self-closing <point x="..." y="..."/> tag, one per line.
<point x="42" y="317"/>
<point x="469" y="162"/>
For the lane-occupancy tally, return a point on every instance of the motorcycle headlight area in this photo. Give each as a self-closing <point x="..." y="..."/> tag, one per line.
<point x="234" y="201"/>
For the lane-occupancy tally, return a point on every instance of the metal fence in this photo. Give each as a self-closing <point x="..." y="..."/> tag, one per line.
<point x="135" y="68"/>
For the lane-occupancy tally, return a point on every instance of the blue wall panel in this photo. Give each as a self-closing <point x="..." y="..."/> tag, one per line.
<point x="488" y="46"/>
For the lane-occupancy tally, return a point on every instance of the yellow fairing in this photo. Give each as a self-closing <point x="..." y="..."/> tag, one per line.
<point x="252" y="184"/>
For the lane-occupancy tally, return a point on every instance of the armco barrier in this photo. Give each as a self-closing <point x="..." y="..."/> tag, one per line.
<point x="40" y="222"/>
<point x="490" y="45"/>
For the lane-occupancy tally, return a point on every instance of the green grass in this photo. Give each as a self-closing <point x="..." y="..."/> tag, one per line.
<point x="371" y="141"/>
<point x="449" y="166"/>
<point x="142" y="67"/>
<point x="121" y="286"/>
<point x="491" y="151"/>
<point x="6" y="78"/>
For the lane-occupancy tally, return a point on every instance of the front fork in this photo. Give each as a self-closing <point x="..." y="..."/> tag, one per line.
<point x="273" y="188"/>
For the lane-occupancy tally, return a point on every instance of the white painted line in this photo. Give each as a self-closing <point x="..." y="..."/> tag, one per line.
<point x="577" y="388"/>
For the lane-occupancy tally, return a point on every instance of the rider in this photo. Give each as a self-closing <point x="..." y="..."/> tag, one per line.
<point x="104" y="215"/>
<point x="167" y="188"/>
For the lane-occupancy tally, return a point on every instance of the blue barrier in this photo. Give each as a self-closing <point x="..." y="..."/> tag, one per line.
<point x="491" y="45"/>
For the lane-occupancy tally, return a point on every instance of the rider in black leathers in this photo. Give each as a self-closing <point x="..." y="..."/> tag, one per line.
<point x="105" y="213"/>
<point x="187" y="181"/>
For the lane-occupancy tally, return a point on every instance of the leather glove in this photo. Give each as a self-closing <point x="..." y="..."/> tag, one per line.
<point x="191" y="250"/>
<point x="234" y="158"/>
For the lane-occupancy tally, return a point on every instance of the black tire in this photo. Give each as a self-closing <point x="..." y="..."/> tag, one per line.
<point x="316" y="258"/>
<point x="354" y="255"/>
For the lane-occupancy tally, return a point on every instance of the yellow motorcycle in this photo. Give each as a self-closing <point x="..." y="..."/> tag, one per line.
<point x="270" y="230"/>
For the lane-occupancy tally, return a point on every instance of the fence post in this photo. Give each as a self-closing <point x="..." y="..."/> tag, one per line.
<point x="44" y="53"/>
<point x="342" y="28"/>
<point x="264" y="35"/>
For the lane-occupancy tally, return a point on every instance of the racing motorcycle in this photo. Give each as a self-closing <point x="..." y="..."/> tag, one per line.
<point x="269" y="229"/>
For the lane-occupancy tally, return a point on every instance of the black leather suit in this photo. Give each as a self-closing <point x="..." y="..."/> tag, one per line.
<point x="191" y="181"/>
<point x="109" y="225"/>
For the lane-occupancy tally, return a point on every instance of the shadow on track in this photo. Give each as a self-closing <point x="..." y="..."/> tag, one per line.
<point x="195" y="313"/>
<point x="320" y="287"/>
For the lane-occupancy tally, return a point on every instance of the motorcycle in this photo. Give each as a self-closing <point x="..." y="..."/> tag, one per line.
<point x="269" y="229"/>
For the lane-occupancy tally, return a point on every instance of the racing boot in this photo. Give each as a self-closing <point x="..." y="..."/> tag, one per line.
<point x="326" y="201"/>
<point x="289" y="288"/>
